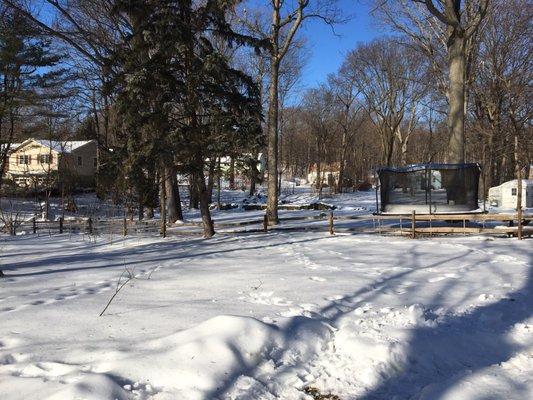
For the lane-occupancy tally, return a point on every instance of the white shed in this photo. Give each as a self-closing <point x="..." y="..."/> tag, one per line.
<point x="505" y="195"/>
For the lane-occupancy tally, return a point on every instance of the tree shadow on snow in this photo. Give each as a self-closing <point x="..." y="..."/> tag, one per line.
<point x="149" y="254"/>
<point x="460" y="345"/>
<point x="456" y="345"/>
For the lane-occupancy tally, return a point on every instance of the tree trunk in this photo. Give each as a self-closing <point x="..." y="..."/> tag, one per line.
<point x="193" y="194"/>
<point x="172" y="195"/>
<point x="232" y="174"/>
<point x="389" y="149"/>
<point x="404" y="144"/>
<point x="141" y="211"/>
<point x="211" y="179"/>
<point x="209" y="229"/>
<point x="519" y="185"/>
<point x="163" y="202"/>
<point x="272" y="133"/>
<point x="342" y="164"/>
<point x="253" y="176"/>
<point x="456" y="95"/>
<point x="219" y="183"/>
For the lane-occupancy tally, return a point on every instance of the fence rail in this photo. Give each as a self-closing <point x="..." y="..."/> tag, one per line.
<point x="412" y="225"/>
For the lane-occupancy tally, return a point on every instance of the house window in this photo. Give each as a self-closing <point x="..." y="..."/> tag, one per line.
<point x="513" y="191"/>
<point x="80" y="161"/>
<point x="45" y="159"/>
<point x="24" y="159"/>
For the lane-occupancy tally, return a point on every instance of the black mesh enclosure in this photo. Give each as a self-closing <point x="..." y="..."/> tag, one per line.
<point x="429" y="188"/>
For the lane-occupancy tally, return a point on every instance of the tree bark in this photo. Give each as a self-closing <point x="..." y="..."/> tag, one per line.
<point x="232" y="173"/>
<point x="253" y="175"/>
<point x="172" y="195"/>
<point x="201" y="187"/>
<point x="211" y="179"/>
<point x="272" y="133"/>
<point x="141" y="211"/>
<point x="194" y="199"/>
<point x="219" y="183"/>
<point x="456" y="95"/>
<point x="163" y="202"/>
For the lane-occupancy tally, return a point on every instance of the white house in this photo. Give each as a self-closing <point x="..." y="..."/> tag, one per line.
<point x="35" y="161"/>
<point x="505" y="195"/>
<point x="329" y="174"/>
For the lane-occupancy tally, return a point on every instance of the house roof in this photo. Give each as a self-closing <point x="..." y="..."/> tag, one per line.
<point x="514" y="182"/>
<point x="11" y="148"/>
<point x="66" y="146"/>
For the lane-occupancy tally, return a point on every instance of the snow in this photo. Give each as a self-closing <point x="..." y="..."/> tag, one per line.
<point x="266" y="316"/>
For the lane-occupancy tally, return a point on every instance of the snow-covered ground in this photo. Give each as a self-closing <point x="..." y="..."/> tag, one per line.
<point x="90" y="206"/>
<point x="266" y="316"/>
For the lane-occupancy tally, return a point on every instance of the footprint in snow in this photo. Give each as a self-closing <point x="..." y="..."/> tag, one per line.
<point x="317" y="279"/>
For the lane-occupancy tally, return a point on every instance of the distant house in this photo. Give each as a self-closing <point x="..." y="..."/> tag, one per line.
<point x="329" y="174"/>
<point x="34" y="162"/>
<point x="506" y="195"/>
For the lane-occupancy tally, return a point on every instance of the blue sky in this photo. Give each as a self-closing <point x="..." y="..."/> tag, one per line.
<point x="327" y="50"/>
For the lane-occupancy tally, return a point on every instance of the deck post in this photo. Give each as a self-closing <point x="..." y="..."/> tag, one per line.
<point x="413" y="225"/>
<point x="60" y="225"/>
<point x="331" y="232"/>
<point x="34" y="225"/>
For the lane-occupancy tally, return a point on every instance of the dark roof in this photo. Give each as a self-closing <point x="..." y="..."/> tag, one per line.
<point x="424" y="167"/>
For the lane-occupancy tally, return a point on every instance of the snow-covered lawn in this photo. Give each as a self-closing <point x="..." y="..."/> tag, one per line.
<point x="267" y="316"/>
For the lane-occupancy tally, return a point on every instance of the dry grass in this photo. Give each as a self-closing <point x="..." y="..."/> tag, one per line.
<point x="315" y="393"/>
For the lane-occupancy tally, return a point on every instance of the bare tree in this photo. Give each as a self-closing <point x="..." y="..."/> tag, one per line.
<point x="454" y="25"/>
<point x="391" y="80"/>
<point x="345" y="90"/>
<point x="500" y="95"/>
<point x="319" y="107"/>
<point x="286" y="21"/>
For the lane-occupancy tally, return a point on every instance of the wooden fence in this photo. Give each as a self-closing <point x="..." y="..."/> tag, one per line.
<point x="413" y="225"/>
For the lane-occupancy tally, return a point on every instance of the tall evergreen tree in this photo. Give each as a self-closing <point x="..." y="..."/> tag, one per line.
<point x="178" y="98"/>
<point x="29" y="68"/>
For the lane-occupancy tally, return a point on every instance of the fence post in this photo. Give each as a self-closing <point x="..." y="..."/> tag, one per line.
<point x="331" y="232"/>
<point x="265" y="223"/>
<point x="125" y="227"/>
<point x="519" y="217"/>
<point x="60" y="225"/>
<point x="413" y="225"/>
<point x="34" y="225"/>
<point x="90" y="225"/>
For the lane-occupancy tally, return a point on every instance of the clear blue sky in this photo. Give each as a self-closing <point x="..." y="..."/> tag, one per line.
<point x="327" y="50"/>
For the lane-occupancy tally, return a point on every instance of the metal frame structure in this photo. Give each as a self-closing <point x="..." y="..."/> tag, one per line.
<point x="428" y="189"/>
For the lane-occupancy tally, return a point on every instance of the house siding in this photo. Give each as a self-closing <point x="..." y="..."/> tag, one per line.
<point x="62" y="163"/>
